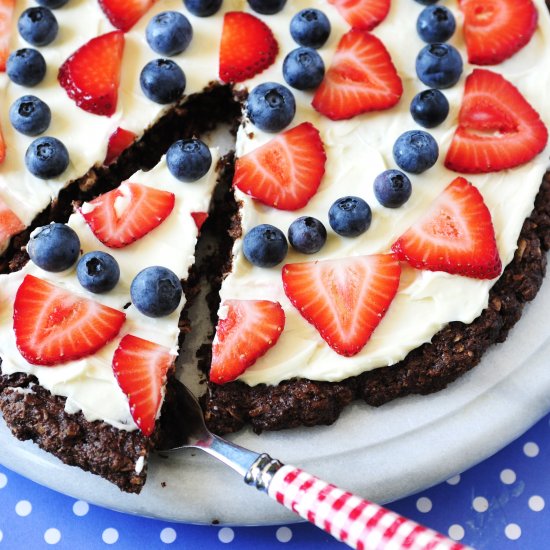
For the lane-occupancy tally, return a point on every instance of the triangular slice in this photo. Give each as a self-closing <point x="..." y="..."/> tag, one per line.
<point x="53" y="326"/>
<point x="362" y="14"/>
<point x="495" y="30"/>
<point x="497" y="128"/>
<point x="247" y="47"/>
<point x="6" y="16"/>
<point x="91" y="76"/>
<point x="119" y="141"/>
<point x="141" y="368"/>
<point x="344" y="299"/>
<point x="124" y="14"/>
<point x="248" y="330"/>
<point x="455" y="235"/>
<point x="127" y="213"/>
<point x="361" y="78"/>
<point x="285" y="172"/>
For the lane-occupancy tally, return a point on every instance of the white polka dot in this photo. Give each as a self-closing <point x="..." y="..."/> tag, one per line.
<point x="168" y="535"/>
<point x="283" y="534"/>
<point x="456" y="532"/>
<point x="480" y="504"/>
<point x="536" y="503"/>
<point x="531" y="449"/>
<point x="226" y="534"/>
<point x="80" y="508"/>
<point x="455" y="480"/>
<point x="512" y="531"/>
<point x="110" y="535"/>
<point x="23" y="508"/>
<point x="508" y="476"/>
<point x="52" y="536"/>
<point x="3" y="480"/>
<point x="424" y="505"/>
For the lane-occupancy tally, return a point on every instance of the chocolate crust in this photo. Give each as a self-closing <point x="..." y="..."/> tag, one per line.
<point x="427" y="369"/>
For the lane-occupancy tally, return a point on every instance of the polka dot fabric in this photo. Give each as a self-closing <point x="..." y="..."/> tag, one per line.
<point x="502" y="503"/>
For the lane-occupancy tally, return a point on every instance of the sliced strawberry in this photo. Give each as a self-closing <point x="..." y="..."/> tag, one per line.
<point x="285" y="172"/>
<point x="495" y="30"/>
<point x="6" y="16"/>
<point x="455" y="235"/>
<point x="2" y="147"/>
<point x="247" y="47"/>
<point x="124" y="14"/>
<point x="127" y="213"/>
<point x="362" y="14"/>
<point x="250" y="328"/>
<point x="344" y="299"/>
<point x="497" y="128"/>
<point x="362" y="78"/>
<point x="53" y="326"/>
<point x="91" y="75"/>
<point x="119" y="141"/>
<point x="200" y="218"/>
<point x="141" y="369"/>
<point x="10" y="225"/>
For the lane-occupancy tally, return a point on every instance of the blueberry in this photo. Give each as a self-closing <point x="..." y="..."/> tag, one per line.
<point x="265" y="246"/>
<point x="30" y="116"/>
<point x="98" y="272"/>
<point x="162" y="81"/>
<point x="303" y="69"/>
<point x="350" y="216"/>
<point x="38" y="26"/>
<point x="189" y="159"/>
<point x="307" y="235"/>
<point x="392" y="188"/>
<point x="46" y="158"/>
<point x="267" y="7"/>
<point x="203" y="8"/>
<point x="54" y="247"/>
<point x="310" y="27"/>
<point x="271" y="106"/>
<point x="435" y="24"/>
<point x="52" y="4"/>
<point x="415" y="151"/>
<point x="156" y="291"/>
<point x="169" y="33"/>
<point x="439" y="65"/>
<point x="429" y="108"/>
<point x="26" y="67"/>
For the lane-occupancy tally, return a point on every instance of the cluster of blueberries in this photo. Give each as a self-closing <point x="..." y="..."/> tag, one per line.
<point x="155" y="291"/>
<point x="46" y="157"/>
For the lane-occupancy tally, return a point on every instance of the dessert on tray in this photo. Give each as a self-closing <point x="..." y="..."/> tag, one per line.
<point x="382" y="223"/>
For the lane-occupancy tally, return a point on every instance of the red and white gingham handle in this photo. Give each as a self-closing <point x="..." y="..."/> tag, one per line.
<point x="359" y="523"/>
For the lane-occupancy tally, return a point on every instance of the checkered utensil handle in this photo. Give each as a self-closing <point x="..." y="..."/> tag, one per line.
<point x="357" y="522"/>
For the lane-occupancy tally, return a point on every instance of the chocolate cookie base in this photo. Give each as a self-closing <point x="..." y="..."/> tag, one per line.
<point x="427" y="369"/>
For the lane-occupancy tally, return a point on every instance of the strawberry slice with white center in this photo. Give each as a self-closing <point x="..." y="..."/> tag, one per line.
<point x="10" y="225"/>
<point x="124" y="14"/>
<point x="497" y="128"/>
<point x="119" y="141"/>
<point x="6" y="16"/>
<point x="494" y="30"/>
<point x="361" y="78"/>
<point x="344" y="299"/>
<point x="455" y="235"/>
<point x="362" y="14"/>
<point x="127" y="213"/>
<point x="91" y="75"/>
<point x="141" y="368"/>
<point x="286" y="171"/>
<point x="248" y="331"/>
<point x="53" y="326"/>
<point x="247" y="47"/>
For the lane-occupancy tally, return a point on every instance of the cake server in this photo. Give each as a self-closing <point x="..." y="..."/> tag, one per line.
<point x="359" y="523"/>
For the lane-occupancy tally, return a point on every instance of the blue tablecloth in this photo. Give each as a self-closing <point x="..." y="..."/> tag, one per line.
<point x="499" y="504"/>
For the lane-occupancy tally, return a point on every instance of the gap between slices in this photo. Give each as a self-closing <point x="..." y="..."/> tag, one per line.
<point x="454" y="235"/>
<point x="497" y="128"/>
